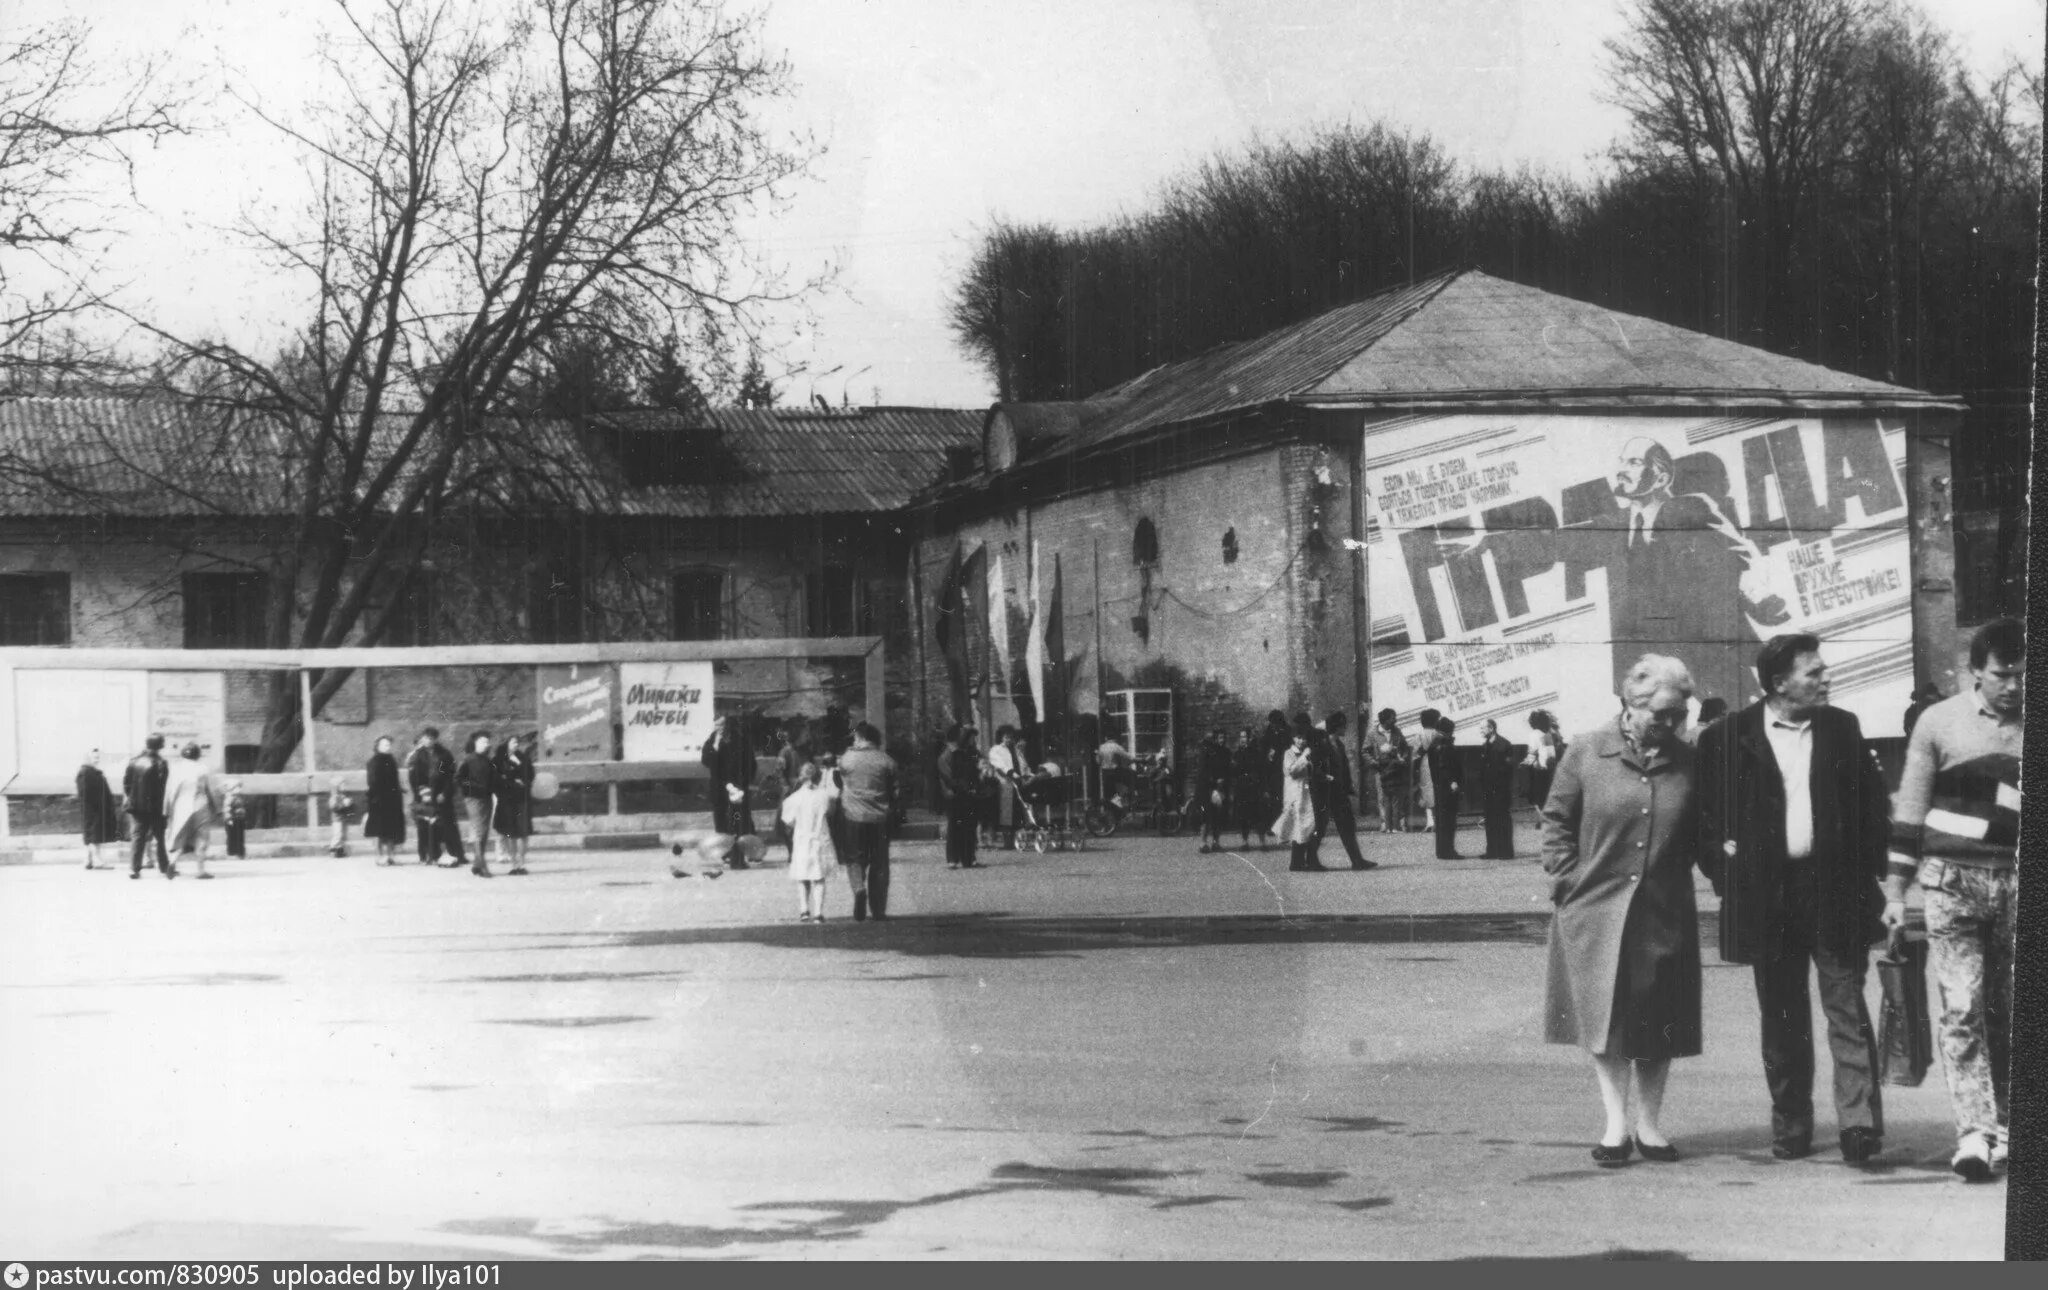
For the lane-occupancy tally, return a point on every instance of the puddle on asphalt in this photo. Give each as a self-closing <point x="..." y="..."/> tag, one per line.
<point x="1364" y="1203"/>
<point x="565" y="1023"/>
<point x="1188" y="1202"/>
<point x="1311" y="1179"/>
<point x="1356" y="1124"/>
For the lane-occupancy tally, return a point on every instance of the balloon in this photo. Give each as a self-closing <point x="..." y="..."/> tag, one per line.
<point x="545" y="785"/>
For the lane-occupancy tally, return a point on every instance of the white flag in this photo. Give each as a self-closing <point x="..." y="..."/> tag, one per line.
<point x="1034" y="643"/>
<point x="998" y="624"/>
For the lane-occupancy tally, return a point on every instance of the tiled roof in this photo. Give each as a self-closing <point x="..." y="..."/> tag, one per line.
<point x="123" y="456"/>
<point x="1471" y="337"/>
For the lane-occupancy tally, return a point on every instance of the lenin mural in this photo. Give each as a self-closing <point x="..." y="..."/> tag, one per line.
<point x="1518" y="562"/>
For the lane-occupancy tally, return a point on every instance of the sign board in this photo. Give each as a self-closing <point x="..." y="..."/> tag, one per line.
<point x="578" y="703"/>
<point x="666" y="710"/>
<point x="187" y="708"/>
<point x="1523" y="563"/>
<point x="61" y="715"/>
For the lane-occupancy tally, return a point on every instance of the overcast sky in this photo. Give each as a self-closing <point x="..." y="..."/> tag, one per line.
<point x="940" y="114"/>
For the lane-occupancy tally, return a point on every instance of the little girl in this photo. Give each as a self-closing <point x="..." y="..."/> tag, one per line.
<point x="341" y="808"/>
<point x="807" y="812"/>
<point x="235" y="812"/>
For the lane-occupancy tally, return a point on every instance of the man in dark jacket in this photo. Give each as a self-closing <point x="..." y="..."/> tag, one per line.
<point x="431" y="770"/>
<point x="1494" y="778"/>
<point x="1795" y="820"/>
<point x="143" y="786"/>
<point x="1342" y="819"/>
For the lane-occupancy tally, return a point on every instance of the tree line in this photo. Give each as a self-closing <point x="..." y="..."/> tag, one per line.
<point x="1823" y="178"/>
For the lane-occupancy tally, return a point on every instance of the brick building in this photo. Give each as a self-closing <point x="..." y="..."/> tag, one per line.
<point x="745" y="524"/>
<point x="1410" y="502"/>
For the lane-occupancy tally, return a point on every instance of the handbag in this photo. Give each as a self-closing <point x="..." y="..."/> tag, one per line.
<point x="1905" y="1034"/>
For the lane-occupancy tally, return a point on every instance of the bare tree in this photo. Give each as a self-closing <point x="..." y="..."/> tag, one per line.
<point x="490" y="189"/>
<point x="66" y="127"/>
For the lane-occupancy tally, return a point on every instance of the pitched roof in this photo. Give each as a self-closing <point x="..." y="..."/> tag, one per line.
<point x="155" y="458"/>
<point x="1472" y="338"/>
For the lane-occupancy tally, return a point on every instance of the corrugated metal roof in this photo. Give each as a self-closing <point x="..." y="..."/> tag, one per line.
<point x="94" y="457"/>
<point x="1469" y="335"/>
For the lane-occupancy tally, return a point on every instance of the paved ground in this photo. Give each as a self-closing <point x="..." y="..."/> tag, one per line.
<point x="1134" y="1051"/>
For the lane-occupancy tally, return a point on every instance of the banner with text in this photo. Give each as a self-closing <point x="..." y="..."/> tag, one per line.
<point x="666" y="710"/>
<point x="1518" y="563"/>
<point x="578" y="706"/>
<point x="190" y="708"/>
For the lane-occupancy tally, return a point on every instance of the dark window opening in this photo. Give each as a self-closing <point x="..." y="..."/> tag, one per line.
<point x="225" y="610"/>
<point x="699" y="608"/>
<point x="1145" y="544"/>
<point x="834" y="605"/>
<point x="554" y="605"/>
<point x="1230" y="546"/>
<point x="960" y="461"/>
<point x="35" y="609"/>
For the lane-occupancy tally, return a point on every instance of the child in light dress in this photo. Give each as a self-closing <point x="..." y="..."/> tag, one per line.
<point x="807" y="812"/>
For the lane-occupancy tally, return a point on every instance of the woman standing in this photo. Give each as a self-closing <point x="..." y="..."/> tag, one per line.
<point x="1390" y="758"/>
<point x="98" y="814"/>
<point x="473" y="780"/>
<point x="1425" y="777"/>
<point x="1005" y="759"/>
<point x="1275" y="740"/>
<point x="1212" y="789"/>
<point x="384" y="803"/>
<point x="1248" y="791"/>
<point x="513" y="819"/>
<point x="731" y="764"/>
<point x="1297" y="823"/>
<point x="1619" y="841"/>
<point x="811" y="857"/>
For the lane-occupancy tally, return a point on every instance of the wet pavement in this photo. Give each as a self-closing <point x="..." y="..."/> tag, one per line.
<point x="1132" y="1051"/>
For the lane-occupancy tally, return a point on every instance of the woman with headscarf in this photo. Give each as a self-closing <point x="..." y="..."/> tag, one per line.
<point x="512" y="773"/>
<point x="99" y="814"/>
<point x="384" y="802"/>
<point x="1620" y="835"/>
<point x="190" y="804"/>
<point x="1390" y="756"/>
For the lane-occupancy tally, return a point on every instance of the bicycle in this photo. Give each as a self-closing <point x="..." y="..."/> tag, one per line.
<point x="1156" y="804"/>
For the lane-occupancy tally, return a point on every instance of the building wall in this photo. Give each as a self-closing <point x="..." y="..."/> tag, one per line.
<point x="1233" y="640"/>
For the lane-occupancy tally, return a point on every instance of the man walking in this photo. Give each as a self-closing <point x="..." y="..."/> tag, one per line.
<point x="1955" y="830"/>
<point x="1342" y="818"/>
<point x="1793" y="810"/>
<point x="867" y="795"/>
<point x="143" y="787"/>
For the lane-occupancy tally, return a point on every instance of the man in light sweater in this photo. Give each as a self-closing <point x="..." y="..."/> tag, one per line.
<point x="868" y="789"/>
<point x="1955" y="830"/>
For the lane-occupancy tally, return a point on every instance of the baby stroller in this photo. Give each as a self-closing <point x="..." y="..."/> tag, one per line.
<point x="1048" y="811"/>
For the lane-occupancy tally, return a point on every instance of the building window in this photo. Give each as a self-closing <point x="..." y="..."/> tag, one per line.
<point x="834" y="605"/>
<point x="35" y="609"/>
<point x="554" y="604"/>
<point x="1230" y="546"/>
<point x="225" y="610"/>
<point x="1145" y="544"/>
<point x="699" y="603"/>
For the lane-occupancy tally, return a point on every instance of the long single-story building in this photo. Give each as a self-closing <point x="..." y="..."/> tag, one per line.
<point x="1467" y="495"/>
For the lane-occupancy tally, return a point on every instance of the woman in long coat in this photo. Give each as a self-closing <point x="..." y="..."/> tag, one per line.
<point x="812" y="859"/>
<point x="191" y="801"/>
<point x="384" y="817"/>
<point x="1297" y="823"/>
<point x="99" y="815"/>
<point x="731" y="764"/>
<point x="513" y="815"/>
<point x="1620" y="834"/>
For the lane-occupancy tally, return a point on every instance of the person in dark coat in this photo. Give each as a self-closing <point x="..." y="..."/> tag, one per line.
<point x="1620" y="838"/>
<point x="731" y="764"/>
<point x="512" y="772"/>
<point x="1494" y="765"/>
<point x="142" y="788"/>
<point x="384" y="809"/>
<point x="1248" y="791"/>
<point x="960" y="789"/>
<point x="1445" y="778"/>
<point x="99" y="815"/>
<point x="476" y="781"/>
<point x="430" y="778"/>
<point x="1337" y="763"/>
<point x="1795" y="822"/>
<point x="1316" y="780"/>
<point x="1212" y="789"/>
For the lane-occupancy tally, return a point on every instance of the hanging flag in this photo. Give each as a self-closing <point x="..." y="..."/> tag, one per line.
<point x="946" y="624"/>
<point x="998" y="624"/>
<point x="1034" y="642"/>
<point x="974" y="597"/>
<point x="1055" y="647"/>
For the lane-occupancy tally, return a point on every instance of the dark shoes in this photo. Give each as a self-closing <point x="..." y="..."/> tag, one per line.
<point x="1614" y="1157"/>
<point x="1664" y="1155"/>
<point x="1791" y="1149"/>
<point x="1366" y="864"/>
<point x="860" y="907"/>
<point x="1860" y="1145"/>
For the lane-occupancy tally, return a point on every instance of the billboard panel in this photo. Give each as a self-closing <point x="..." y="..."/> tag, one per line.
<point x="666" y="709"/>
<point x="1524" y="562"/>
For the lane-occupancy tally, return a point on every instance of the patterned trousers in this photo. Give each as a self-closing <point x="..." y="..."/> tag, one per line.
<point x="1970" y="933"/>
